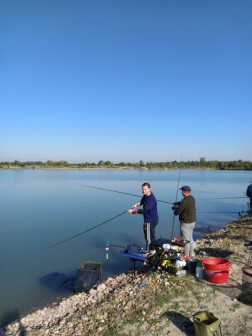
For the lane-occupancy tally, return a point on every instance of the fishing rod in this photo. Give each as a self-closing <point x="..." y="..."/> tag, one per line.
<point x="176" y="199"/>
<point x="63" y="241"/>
<point x="119" y="192"/>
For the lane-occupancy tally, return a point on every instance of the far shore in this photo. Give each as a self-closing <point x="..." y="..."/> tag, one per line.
<point x="115" y="168"/>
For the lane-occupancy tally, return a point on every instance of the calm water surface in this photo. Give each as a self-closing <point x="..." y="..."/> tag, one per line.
<point x="40" y="208"/>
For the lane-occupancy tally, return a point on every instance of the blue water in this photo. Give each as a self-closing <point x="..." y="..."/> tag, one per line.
<point x="40" y="208"/>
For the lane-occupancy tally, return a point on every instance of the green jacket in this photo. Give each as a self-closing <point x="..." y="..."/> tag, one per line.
<point x="186" y="210"/>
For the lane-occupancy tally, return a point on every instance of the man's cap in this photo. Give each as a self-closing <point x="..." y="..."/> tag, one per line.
<point x="185" y="188"/>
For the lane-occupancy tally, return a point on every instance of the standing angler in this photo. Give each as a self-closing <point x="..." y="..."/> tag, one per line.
<point x="249" y="194"/>
<point x="187" y="217"/>
<point x="149" y="212"/>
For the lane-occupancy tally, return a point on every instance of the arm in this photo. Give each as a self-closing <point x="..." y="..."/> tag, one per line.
<point x="176" y="204"/>
<point x="137" y="204"/>
<point x="140" y="211"/>
<point x="133" y="210"/>
<point x="181" y="207"/>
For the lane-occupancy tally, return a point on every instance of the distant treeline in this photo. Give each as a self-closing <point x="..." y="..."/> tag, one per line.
<point x="201" y="164"/>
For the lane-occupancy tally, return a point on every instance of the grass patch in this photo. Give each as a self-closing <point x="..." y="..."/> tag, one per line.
<point x="237" y="305"/>
<point x="132" y="319"/>
<point x="176" y="305"/>
<point x="148" y="311"/>
<point x="190" y="286"/>
<point x="177" y="293"/>
<point x="153" y="321"/>
<point x="163" y="299"/>
<point x="112" y="331"/>
<point x="204" y="307"/>
<point x="112" y="311"/>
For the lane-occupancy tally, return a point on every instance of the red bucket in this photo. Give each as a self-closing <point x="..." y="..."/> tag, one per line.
<point x="216" y="269"/>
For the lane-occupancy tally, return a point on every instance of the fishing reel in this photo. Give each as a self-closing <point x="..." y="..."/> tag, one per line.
<point x="172" y="254"/>
<point x="175" y="207"/>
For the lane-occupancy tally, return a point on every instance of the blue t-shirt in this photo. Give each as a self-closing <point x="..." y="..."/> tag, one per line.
<point x="150" y="204"/>
<point x="249" y="192"/>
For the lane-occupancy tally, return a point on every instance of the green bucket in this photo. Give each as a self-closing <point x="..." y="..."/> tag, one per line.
<point x="206" y="324"/>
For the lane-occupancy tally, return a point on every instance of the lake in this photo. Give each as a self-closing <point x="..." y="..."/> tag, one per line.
<point x="40" y="208"/>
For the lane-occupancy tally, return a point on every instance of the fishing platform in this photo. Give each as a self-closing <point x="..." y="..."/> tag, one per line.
<point x="165" y="254"/>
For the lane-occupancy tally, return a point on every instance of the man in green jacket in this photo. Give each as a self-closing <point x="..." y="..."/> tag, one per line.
<point x="187" y="217"/>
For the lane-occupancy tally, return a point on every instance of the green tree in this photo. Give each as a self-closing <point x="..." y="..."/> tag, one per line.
<point x="49" y="163"/>
<point x="149" y="165"/>
<point x="108" y="163"/>
<point x="17" y="163"/>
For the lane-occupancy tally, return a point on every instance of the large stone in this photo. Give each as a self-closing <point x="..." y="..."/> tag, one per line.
<point x="101" y="287"/>
<point x="92" y="291"/>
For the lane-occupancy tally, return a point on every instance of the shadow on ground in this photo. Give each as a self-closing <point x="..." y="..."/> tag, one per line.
<point x="231" y="288"/>
<point x="180" y="321"/>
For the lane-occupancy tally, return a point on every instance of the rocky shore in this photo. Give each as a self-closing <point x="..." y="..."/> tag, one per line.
<point x="160" y="306"/>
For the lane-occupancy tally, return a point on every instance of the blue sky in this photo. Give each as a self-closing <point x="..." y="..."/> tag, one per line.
<point x="125" y="80"/>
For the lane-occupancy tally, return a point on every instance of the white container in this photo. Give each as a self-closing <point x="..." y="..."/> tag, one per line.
<point x="183" y="272"/>
<point x="179" y="263"/>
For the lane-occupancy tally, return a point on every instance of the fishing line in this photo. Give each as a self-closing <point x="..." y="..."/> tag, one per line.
<point x="176" y="199"/>
<point x="64" y="241"/>
<point x="117" y="246"/>
<point x="206" y="199"/>
<point x="120" y="192"/>
<point x="239" y="212"/>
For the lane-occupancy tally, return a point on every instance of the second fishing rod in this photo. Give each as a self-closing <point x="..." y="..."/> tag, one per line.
<point x="176" y="201"/>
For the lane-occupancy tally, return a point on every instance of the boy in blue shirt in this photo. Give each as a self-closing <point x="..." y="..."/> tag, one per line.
<point x="149" y="213"/>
